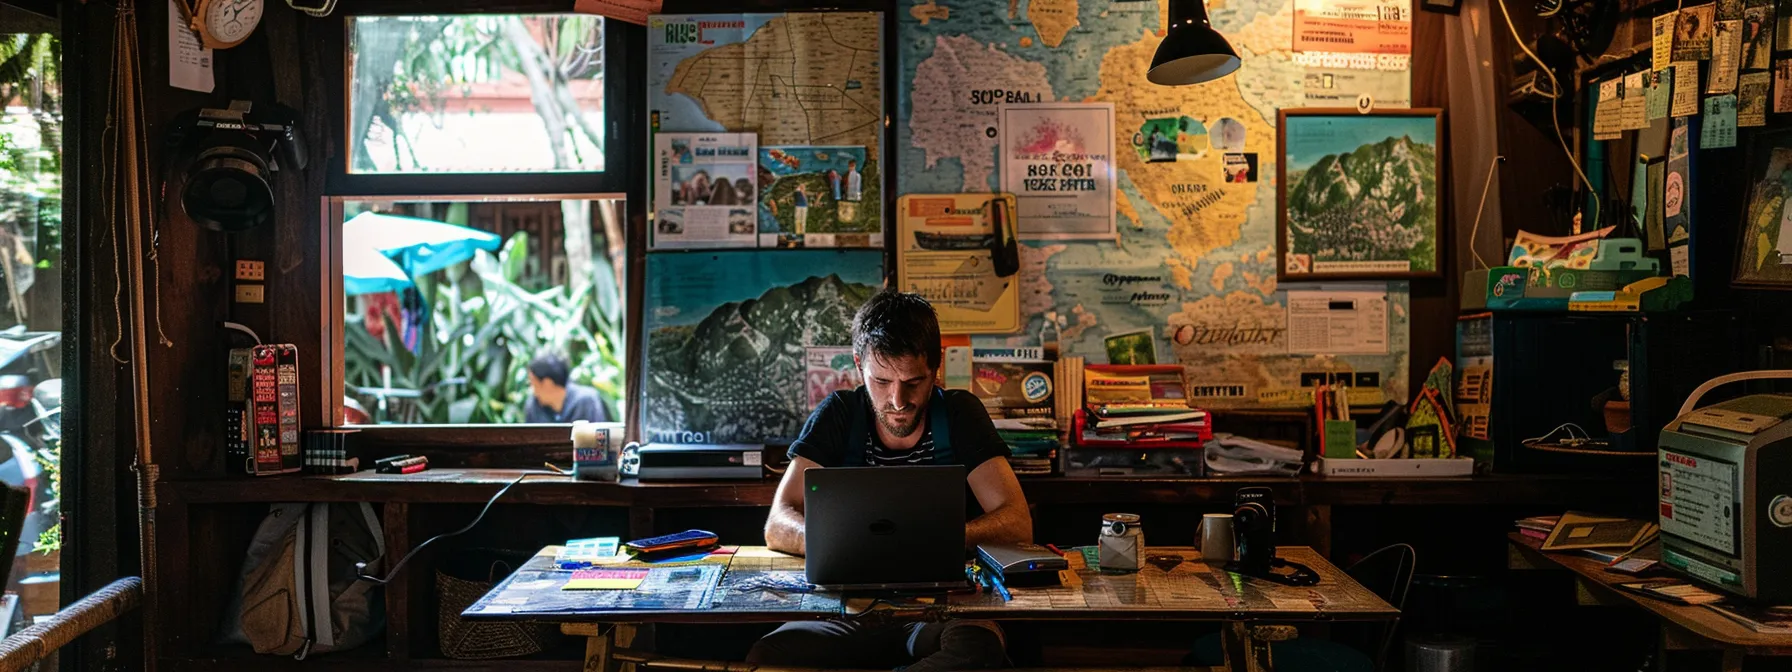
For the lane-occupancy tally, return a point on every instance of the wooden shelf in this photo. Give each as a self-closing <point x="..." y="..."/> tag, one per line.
<point x="332" y="663"/>
<point x="474" y="486"/>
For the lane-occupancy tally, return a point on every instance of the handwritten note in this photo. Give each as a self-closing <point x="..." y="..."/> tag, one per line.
<point x="1686" y="88"/>
<point x="189" y="62"/>
<point x="1718" y="130"/>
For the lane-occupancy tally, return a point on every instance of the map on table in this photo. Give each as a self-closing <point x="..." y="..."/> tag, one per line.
<point x="1194" y="262"/>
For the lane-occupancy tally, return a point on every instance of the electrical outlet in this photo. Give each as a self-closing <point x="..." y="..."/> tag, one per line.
<point x="249" y="293"/>
<point x="250" y="269"/>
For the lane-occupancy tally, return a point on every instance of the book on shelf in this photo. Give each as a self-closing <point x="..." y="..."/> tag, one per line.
<point x="1579" y="531"/>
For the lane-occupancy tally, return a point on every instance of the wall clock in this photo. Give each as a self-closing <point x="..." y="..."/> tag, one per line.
<point x="223" y="24"/>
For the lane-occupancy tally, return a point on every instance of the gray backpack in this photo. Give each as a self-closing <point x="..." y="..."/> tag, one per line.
<point x="300" y="592"/>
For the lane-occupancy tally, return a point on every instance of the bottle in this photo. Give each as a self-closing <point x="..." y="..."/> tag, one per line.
<point x="594" y="448"/>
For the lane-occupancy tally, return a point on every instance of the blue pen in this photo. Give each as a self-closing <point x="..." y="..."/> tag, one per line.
<point x="995" y="583"/>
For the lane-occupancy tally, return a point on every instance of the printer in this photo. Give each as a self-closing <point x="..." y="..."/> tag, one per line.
<point x="689" y="462"/>
<point x="1724" y="477"/>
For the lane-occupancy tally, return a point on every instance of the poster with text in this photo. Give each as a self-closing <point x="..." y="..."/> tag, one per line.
<point x="704" y="190"/>
<point x="1058" y="161"/>
<point x="1354" y="48"/>
<point x="945" y="252"/>
<point x="819" y="197"/>
<point x="729" y="337"/>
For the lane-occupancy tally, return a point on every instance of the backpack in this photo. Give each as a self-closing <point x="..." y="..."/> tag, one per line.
<point x="300" y="591"/>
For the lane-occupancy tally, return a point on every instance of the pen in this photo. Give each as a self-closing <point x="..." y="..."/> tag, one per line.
<point x="995" y="584"/>
<point x="1054" y="549"/>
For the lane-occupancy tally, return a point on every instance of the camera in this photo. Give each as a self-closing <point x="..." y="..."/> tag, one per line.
<point x="228" y="159"/>
<point x="1254" y="528"/>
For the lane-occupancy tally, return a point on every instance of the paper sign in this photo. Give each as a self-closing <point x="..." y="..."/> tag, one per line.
<point x="1633" y="112"/>
<point x="1662" y="48"/>
<point x="189" y="62"/>
<point x="1347" y="320"/>
<point x="943" y="253"/>
<point x="1058" y="161"/>
<point x="1726" y="51"/>
<point x="705" y="190"/>
<point x="1782" y="86"/>
<point x="1693" y="31"/>
<point x="1751" y="104"/>
<point x="1718" y="129"/>
<point x="1686" y="89"/>
<point x="1659" y="94"/>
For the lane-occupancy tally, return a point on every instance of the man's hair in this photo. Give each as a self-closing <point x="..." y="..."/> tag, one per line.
<point x="550" y="366"/>
<point x="897" y="324"/>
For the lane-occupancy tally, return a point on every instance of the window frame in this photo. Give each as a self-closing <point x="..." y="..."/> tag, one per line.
<point x="623" y="178"/>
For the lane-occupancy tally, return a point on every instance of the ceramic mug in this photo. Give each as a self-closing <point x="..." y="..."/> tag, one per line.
<point x="1214" y="537"/>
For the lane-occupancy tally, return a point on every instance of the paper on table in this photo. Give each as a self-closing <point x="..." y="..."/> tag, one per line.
<point x="1686" y="88"/>
<point x="189" y="62"/>
<point x="606" y="579"/>
<point x="1338" y="320"/>
<point x="1718" y="130"/>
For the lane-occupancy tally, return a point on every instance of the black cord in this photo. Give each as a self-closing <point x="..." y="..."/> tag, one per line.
<point x="361" y="567"/>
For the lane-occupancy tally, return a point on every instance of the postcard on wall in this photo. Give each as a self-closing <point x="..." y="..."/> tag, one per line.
<point x="1686" y="89"/>
<point x="1752" y="94"/>
<point x="1608" y="114"/>
<point x="1757" y="38"/>
<point x="1726" y="50"/>
<point x="1356" y="27"/>
<point x="946" y="251"/>
<point x="1058" y="161"/>
<point x="1660" y="93"/>
<point x="1783" y="19"/>
<point x="819" y="197"/>
<point x="1634" y="112"/>
<point x="704" y="193"/>
<point x="1662" y="45"/>
<point x="1327" y="228"/>
<point x="1676" y="213"/>
<point x="829" y="369"/>
<point x="1692" y="33"/>
<point x="1782" y="86"/>
<point x="1718" y="129"/>
<point x="1338" y="320"/>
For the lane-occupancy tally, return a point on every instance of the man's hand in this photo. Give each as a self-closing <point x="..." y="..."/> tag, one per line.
<point x="1005" y="519"/>
<point x="784" y="527"/>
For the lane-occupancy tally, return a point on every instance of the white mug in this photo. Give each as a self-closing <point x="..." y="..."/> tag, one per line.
<point x="1215" y="538"/>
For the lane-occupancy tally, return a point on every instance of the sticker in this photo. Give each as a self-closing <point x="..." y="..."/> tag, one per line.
<point x="1036" y="387"/>
<point x="1365" y="104"/>
<point x="1780" y="511"/>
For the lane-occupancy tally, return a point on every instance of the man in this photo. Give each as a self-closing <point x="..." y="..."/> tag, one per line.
<point x="855" y="182"/>
<point x="801" y="199"/>
<point x="896" y="346"/>
<point x="553" y="400"/>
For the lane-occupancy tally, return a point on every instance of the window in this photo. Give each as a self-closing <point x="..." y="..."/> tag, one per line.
<point x="476" y="93"/>
<point x="477" y="219"/>
<point x="448" y="302"/>
<point x="31" y="309"/>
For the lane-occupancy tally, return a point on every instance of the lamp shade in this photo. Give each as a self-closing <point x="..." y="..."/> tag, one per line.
<point x="1192" y="51"/>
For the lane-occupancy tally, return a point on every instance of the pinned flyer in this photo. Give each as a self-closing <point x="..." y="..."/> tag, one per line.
<point x="705" y="190"/>
<point x="1058" y="161"/>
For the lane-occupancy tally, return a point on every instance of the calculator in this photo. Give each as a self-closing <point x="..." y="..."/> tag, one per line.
<point x="687" y="539"/>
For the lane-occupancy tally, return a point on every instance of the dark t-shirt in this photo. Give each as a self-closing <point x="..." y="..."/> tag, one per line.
<point x="974" y="438"/>
<point x="581" y="403"/>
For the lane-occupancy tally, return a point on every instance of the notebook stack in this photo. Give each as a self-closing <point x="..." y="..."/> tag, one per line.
<point x="1126" y="406"/>
<point x="1018" y="387"/>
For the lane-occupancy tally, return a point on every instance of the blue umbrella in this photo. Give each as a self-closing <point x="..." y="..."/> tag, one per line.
<point x="420" y="246"/>
<point x="366" y="271"/>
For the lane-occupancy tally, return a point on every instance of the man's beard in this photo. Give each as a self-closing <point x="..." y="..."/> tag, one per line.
<point x="899" y="431"/>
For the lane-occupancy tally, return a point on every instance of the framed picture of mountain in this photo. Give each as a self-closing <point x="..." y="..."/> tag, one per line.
<point x="739" y="344"/>
<point x="1359" y="195"/>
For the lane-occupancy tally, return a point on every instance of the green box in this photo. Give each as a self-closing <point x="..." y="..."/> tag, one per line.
<point x="1340" y="439"/>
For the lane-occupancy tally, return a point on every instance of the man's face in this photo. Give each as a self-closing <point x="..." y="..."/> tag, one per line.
<point x="900" y="388"/>
<point x="537" y="385"/>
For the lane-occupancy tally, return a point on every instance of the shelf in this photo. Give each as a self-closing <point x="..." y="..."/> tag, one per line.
<point x="332" y="663"/>
<point x="475" y="486"/>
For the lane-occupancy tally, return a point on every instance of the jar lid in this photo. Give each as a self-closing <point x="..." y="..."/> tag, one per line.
<point x="1120" y="518"/>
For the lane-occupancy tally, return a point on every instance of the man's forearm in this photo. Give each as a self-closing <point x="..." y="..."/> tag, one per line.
<point x="784" y="531"/>
<point x="1012" y="523"/>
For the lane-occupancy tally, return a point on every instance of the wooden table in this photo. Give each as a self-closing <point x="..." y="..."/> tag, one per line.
<point x="1683" y="627"/>
<point x="1255" y="611"/>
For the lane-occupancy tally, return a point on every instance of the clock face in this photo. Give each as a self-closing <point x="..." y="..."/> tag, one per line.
<point x="231" y="21"/>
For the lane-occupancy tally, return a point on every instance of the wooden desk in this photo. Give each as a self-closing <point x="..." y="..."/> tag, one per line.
<point x="1683" y="627"/>
<point x="1190" y="591"/>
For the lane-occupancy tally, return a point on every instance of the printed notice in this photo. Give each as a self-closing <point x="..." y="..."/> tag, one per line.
<point x="1686" y="89"/>
<point x="1718" y="130"/>
<point x="189" y="62"/>
<point x="945" y="252"/>
<point x="705" y="190"/>
<point x="1342" y="320"/>
<point x="1726" y="51"/>
<point x="1698" y="500"/>
<point x="1662" y="48"/>
<point x="1353" y="26"/>
<point x="1608" y="116"/>
<point x="1751" y="98"/>
<point x="1058" y="161"/>
<point x="1633" y="113"/>
<point x="1661" y="91"/>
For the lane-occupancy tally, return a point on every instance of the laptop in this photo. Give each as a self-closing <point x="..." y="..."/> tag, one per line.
<point x="885" y="528"/>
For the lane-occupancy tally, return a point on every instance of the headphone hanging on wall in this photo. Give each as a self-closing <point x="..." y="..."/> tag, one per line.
<point x="227" y="161"/>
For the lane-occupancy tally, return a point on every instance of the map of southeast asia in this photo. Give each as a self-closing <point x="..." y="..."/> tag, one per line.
<point x="1194" y="263"/>
<point x="795" y="79"/>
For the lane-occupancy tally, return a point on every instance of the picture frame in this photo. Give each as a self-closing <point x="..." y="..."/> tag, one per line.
<point x="1325" y="228"/>
<point x="1760" y="263"/>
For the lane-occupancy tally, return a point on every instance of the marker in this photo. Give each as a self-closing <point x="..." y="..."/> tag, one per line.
<point x="1054" y="549"/>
